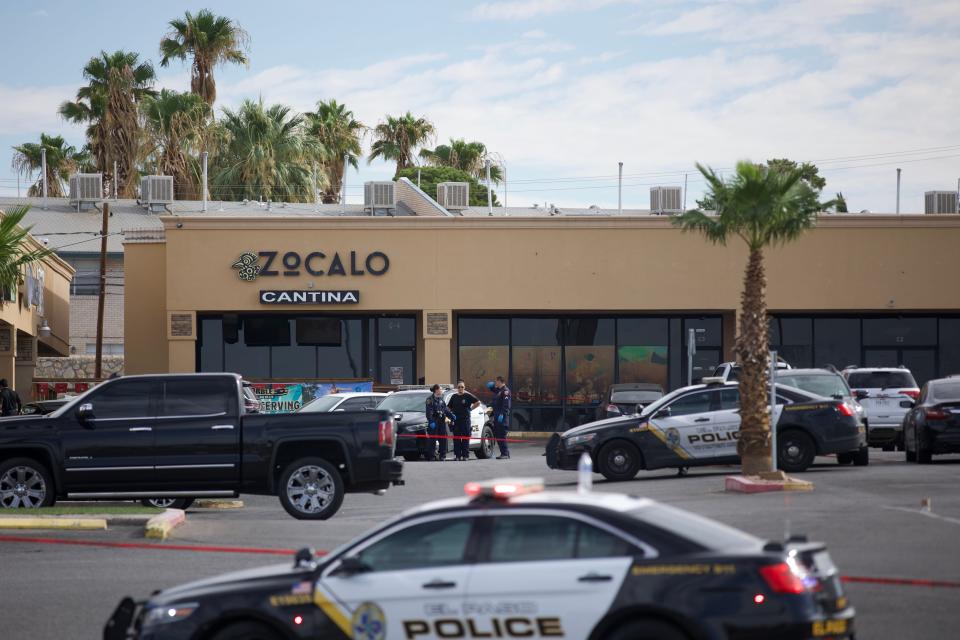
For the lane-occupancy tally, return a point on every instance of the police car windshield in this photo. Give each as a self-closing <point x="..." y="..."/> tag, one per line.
<point x="399" y="402"/>
<point x="709" y="534"/>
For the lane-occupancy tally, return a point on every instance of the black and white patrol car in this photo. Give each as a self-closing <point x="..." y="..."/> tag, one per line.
<point x="699" y="425"/>
<point x="510" y="561"/>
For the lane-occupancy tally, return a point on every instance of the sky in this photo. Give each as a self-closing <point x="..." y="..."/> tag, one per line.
<point x="562" y="90"/>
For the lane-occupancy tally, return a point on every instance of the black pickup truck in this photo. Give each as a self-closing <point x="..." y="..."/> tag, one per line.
<point x="185" y="436"/>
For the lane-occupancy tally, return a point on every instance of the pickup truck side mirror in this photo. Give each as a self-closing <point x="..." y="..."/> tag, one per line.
<point x="85" y="412"/>
<point x="663" y="413"/>
<point x="350" y="566"/>
<point x="908" y="404"/>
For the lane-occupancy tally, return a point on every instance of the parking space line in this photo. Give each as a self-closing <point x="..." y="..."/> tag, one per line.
<point x="928" y="514"/>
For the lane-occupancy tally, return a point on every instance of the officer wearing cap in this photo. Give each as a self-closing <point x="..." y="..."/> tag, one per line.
<point x="502" y="401"/>
<point x="462" y="403"/>
<point x="437" y="414"/>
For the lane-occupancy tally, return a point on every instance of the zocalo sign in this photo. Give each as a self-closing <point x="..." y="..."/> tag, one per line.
<point x="269" y="264"/>
<point x="308" y="296"/>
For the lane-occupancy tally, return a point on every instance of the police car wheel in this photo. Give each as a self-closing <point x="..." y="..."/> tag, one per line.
<point x="795" y="451"/>
<point x="246" y="630"/>
<point x="618" y="461"/>
<point x="311" y="489"/>
<point x="485" y="450"/>
<point x="646" y="630"/>
<point x="167" y="503"/>
<point x="845" y="457"/>
<point x="411" y="457"/>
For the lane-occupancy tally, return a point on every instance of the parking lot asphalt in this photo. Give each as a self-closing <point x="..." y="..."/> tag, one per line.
<point x="870" y="518"/>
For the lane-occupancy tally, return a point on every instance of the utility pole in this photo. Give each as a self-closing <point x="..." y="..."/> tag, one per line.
<point x="489" y="191"/>
<point x="898" y="191"/>
<point x="773" y="407"/>
<point x="620" y="189"/>
<point x="115" y="180"/>
<point x="43" y="168"/>
<point x="684" y="192"/>
<point x="203" y="160"/>
<point x="343" y="187"/>
<point x="98" y="367"/>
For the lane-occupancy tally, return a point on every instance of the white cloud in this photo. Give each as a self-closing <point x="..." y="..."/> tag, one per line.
<point x="29" y="110"/>
<point x="527" y="9"/>
<point x="40" y="13"/>
<point x="535" y="34"/>
<point x="605" y="56"/>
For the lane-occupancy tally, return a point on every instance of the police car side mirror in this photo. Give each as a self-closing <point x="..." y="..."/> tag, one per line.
<point x="351" y="566"/>
<point x="663" y="413"/>
<point x="907" y="404"/>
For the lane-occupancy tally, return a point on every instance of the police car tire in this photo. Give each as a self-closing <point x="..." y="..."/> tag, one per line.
<point x="338" y="489"/>
<point x="845" y="457"/>
<point x="861" y="458"/>
<point x="605" y="461"/>
<point x="646" y="630"/>
<point x="806" y="451"/>
<point x="246" y="630"/>
<point x="411" y="457"/>
<point x="179" y="503"/>
<point x="485" y="450"/>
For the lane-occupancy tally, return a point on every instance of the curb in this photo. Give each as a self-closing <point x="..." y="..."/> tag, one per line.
<point x="160" y="526"/>
<point x="753" y="484"/>
<point x="54" y="522"/>
<point x="532" y="434"/>
<point x="218" y="504"/>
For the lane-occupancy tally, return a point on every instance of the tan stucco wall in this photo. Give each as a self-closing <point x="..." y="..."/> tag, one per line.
<point x="513" y="265"/>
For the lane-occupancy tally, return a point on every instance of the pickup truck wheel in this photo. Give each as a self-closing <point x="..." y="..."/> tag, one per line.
<point x="795" y="451"/>
<point x="246" y="630"/>
<point x="311" y="489"/>
<point x="485" y="450"/>
<point x="167" y="503"/>
<point x="25" y="484"/>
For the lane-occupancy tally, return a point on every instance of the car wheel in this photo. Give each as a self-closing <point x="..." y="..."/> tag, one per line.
<point x="618" y="461"/>
<point x="911" y="456"/>
<point x="924" y="456"/>
<point x="646" y="630"/>
<point x="167" y="503"/>
<point x="411" y="457"/>
<point x="845" y="457"/>
<point x="25" y="484"/>
<point x="246" y="630"/>
<point x="795" y="451"/>
<point x="485" y="450"/>
<point x="861" y="457"/>
<point x="311" y="489"/>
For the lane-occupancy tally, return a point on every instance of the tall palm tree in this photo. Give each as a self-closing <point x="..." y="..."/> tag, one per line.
<point x="109" y="105"/>
<point x="763" y="206"/>
<point x="265" y="154"/>
<point x="175" y="124"/>
<point x="62" y="160"/>
<point x="211" y="40"/>
<point x="466" y="156"/>
<point x="334" y="127"/>
<point x="14" y="252"/>
<point x="397" y="138"/>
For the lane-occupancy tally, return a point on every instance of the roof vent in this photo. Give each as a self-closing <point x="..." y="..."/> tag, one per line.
<point x="379" y="196"/>
<point x="86" y="189"/>
<point x="156" y="192"/>
<point x="940" y="202"/>
<point x="453" y="196"/>
<point x="666" y="200"/>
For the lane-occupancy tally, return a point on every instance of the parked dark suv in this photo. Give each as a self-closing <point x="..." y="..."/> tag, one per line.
<point x="622" y="399"/>
<point x="932" y="425"/>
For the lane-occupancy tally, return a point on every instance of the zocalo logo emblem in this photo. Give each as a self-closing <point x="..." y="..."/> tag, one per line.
<point x="266" y="264"/>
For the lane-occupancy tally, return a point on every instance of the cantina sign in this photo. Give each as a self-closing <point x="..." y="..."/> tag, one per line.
<point x="267" y="264"/>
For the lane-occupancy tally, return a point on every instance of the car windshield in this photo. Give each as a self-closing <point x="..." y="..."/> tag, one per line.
<point x="946" y="391"/>
<point x="321" y="404"/>
<point x="653" y="407"/>
<point x="707" y="533"/>
<point x="634" y="397"/>
<point x="821" y="384"/>
<point x="399" y="402"/>
<point x="880" y="379"/>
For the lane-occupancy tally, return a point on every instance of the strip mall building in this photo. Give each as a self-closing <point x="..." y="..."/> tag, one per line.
<point x="563" y="306"/>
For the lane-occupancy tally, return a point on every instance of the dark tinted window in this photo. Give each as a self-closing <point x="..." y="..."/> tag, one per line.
<point x="197" y="397"/>
<point x="532" y="538"/>
<point x="589" y="331"/>
<point x="880" y="379"/>
<point x="260" y="332"/>
<point x="211" y="345"/>
<point x="699" y="402"/>
<point x="324" y="332"/>
<point x="642" y="331"/>
<point x="438" y="543"/>
<point x="596" y="543"/>
<point x="900" y="331"/>
<point x="946" y="391"/>
<point x="396" y="332"/>
<point x="712" y="334"/>
<point x="536" y="331"/>
<point x="483" y="331"/>
<point x="126" y="399"/>
<point x="837" y="342"/>
<point x="729" y="399"/>
<point x="949" y="346"/>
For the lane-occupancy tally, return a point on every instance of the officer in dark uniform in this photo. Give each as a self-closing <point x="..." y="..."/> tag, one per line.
<point x="502" y="402"/>
<point x="462" y="403"/>
<point x="437" y="414"/>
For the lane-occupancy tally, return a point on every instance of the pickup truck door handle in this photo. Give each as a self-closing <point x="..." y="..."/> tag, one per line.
<point x="220" y="427"/>
<point x="594" y="577"/>
<point x="439" y="584"/>
<point x="141" y="428"/>
<point x="702" y="420"/>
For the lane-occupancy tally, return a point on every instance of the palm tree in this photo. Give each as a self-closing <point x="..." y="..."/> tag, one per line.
<point x="211" y="40"/>
<point x="175" y="123"/>
<point x="109" y="105"/>
<point x="62" y="160"/>
<point x="763" y="206"/>
<point x="334" y="127"/>
<point x="466" y="156"/>
<point x="14" y="253"/>
<point x="265" y="154"/>
<point x="396" y="138"/>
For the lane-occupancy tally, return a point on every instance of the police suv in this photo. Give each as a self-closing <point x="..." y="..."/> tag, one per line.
<point x="699" y="425"/>
<point x="511" y="561"/>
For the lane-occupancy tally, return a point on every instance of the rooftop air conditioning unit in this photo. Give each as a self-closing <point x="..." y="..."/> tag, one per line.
<point x="940" y="202"/>
<point x="453" y="196"/>
<point x="666" y="200"/>
<point x="379" y="195"/>
<point x="156" y="191"/>
<point x="86" y="188"/>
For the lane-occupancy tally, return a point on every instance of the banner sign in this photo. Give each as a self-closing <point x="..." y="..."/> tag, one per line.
<point x="314" y="390"/>
<point x="287" y="397"/>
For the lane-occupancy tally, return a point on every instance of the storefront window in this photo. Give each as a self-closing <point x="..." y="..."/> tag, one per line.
<point x="900" y="332"/>
<point x="642" y="352"/>
<point x="589" y="357"/>
<point x="793" y="340"/>
<point x="248" y="360"/>
<point x="949" y="346"/>
<point x="396" y="367"/>
<point x="396" y="332"/>
<point x="210" y="345"/>
<point x="837" y="342"/>
<point x="345" y="359"/>
<point x="298" y="360"/>
<point x="479" y="365"/>
<point x="536" y="365"/>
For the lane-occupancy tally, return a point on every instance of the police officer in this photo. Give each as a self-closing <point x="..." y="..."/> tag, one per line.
<point x="462" y="403"/>
<point x="437" y="414"/>
<point x="502" y="401"/>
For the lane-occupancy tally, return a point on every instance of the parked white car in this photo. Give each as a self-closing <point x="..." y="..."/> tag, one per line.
<point x="730" y="371"/>
<point x="347" y="401"/>
<point x="880" y="390"/>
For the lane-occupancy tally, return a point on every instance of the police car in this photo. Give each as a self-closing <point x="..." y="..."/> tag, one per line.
<point x="511" y="561"/>
<point x="699" y="425"/>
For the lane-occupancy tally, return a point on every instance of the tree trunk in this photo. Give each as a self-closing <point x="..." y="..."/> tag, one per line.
<point x="752" y="354"/>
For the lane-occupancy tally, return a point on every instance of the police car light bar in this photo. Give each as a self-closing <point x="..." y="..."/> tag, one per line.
<point x="503" y="488"/>
<point x="712" y="380"/>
